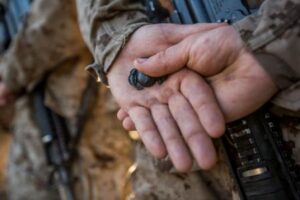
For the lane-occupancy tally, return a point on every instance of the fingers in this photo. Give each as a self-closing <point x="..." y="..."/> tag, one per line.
<point x="122" y="114"/>
<point x="194" y="134"/>
<point x="165" y="62"/>
<point x="145" y="126"/>
<point x="177" y="56"/>
<point x="204" y="103"/>
<point x="207" y="53"/>
<point x="175" y="145"/>
<point x="128" y="124"/>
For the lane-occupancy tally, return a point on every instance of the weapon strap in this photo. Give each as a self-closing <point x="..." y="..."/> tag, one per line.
<point x="89" y="99"/>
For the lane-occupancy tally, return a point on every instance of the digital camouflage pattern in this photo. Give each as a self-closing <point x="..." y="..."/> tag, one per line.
<point x="50" y="43"/>
<point x="272" y="34"/>
<point x="104" y="37"/>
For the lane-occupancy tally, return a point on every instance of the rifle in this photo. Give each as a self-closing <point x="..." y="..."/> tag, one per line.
<point x="59" y="144"/>
<point x="54" y="134"/>
<point x="260" y="159"/>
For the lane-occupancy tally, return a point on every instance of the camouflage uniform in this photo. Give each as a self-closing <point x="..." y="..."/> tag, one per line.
<point x="272" y="34"/>
<point x="6" y="114"/>
<point x="50" y="43"/>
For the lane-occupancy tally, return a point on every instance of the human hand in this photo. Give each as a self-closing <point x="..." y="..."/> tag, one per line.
<point x="6" y="95"/>
<point x="238" y="80"/>
<point x="157" y="111"/>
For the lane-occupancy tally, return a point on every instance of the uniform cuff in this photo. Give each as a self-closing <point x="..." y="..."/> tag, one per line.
<point x="274" y="67"/>
<point x="105" y="56"/>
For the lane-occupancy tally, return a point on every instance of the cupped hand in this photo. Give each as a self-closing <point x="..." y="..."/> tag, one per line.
<point x="237" y="78"/>
<point x="176" y="118"/>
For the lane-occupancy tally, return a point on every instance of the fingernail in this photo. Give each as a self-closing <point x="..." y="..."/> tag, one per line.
<point x="140" y="60"/>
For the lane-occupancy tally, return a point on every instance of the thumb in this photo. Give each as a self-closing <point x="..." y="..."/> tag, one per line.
<point x="165" y="62"/>
<point x="174" y="57"/>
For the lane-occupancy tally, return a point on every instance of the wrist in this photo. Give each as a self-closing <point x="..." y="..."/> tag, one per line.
<point x="106" y="55"/>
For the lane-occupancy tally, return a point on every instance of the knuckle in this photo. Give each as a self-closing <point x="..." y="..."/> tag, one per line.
<point x="149" y="102"/>
<point x="191" y="134"/>
<point x="161" y="56"/>
<point x="160" y="61"/>
<point x="167" y="120"/>
<point x="147" y="131"/>
<point x="166" y="93"/>
<point x="202" y="106"/>
<point x="172" y="139"/>
<point x="165" y="31"/>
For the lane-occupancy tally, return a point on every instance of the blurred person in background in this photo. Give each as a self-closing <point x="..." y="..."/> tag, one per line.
<point x="49" y="48"/>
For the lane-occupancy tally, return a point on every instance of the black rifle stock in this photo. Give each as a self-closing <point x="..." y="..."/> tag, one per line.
<point x="60" y="145"/>
<point x="260" y="160"/>
<point x="55" y="137"/>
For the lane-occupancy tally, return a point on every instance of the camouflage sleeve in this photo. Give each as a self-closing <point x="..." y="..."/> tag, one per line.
<point x="273" y="34"/>
<point x="106" y="26"/>
<point x="49" y="36"/>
